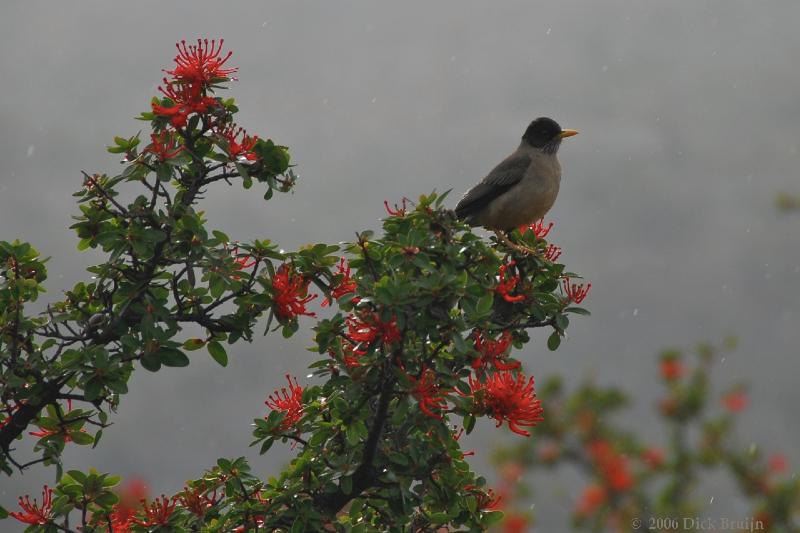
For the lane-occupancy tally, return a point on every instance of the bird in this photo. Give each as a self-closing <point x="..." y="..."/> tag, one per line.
<point x="523" y="187"/>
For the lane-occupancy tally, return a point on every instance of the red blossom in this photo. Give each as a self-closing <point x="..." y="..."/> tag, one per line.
<point x="735" y="401"/>
<point x="778" y="463"/>
<point x="486" y="500"/>
<point x="370" y="328"/>
<point x="593" y="497"/>
<point x="506" y="286"/>
<point x="493" y="351"/>
<point x="538" y="228"/>
<point x="238" y="149"/>
<point x="428" y="393"/>
<point x="186" y="99"/>
<point x="552" y="252"/>
<point x="397" y="211"/>
<point x="515" y="523"/>
<point x="131" y="495"/>
<point x="290" y="402"/>
<point x="290" y="293"/>
<point x="345" y="285"/>
<point x="576" y="293"/>
<point x="671" y="368"/>
<point x="653" y="457"/>
<point x="198" y="500"/>
<point x="611" y="465"/>
<point x="164" y="145"/>
<point x="201" y="63"/>
<point x="157" y="513"/>
<point x="50" y="432"/>
<point x="508" y="397"/>
<point x="32" y="512"/>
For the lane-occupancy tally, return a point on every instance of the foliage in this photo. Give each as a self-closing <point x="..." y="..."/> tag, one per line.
<point x="424" y="316"/>
<point x="635" y="485"/>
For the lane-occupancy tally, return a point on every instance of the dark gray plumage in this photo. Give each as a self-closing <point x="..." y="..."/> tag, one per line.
<point x="523" y="187"/>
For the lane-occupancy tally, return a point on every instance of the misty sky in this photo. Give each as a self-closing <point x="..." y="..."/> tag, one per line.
<point x="690" y="126"/>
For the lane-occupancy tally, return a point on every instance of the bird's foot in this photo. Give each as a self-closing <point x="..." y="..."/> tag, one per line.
<point x="524" y="250"/>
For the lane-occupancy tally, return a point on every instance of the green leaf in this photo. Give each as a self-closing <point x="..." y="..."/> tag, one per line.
<point x="553" y="341"/>
<point x="217" y="353"/>
<point x="173" y="357"/>
<point x="3" y="513"/>
<point x="193" y="344"/>
<point x="81" y="438"/>
<point x="484" y="306"/>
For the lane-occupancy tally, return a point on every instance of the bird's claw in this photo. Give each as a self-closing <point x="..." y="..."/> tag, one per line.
<point x="524" y="250"/>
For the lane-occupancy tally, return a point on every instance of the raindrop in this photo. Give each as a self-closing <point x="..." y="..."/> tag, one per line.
<point x="309" y="376"/>
<point x="324" y="101"/>
<point x="711" y="500"/>
<point x="604" y="68"/>
<point x="548" y="31"/>
<point x="31" y="150"/>
<point x="636" y="311"/>
<point x="374" y="100"/>
<point x="452" y="58"/>
<point x="264" y="24"/>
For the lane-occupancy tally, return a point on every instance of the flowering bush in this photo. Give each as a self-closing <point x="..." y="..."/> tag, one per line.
<point x="635" y="485"/>
<point x="425" y="327"/>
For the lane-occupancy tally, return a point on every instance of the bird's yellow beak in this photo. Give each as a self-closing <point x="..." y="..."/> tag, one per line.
<point x="567" y="133"/>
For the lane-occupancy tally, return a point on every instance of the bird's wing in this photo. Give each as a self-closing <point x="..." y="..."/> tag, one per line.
<point x="500" y="179"/>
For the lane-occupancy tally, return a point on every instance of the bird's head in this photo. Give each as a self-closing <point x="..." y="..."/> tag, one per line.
<point x="546" y="134"/>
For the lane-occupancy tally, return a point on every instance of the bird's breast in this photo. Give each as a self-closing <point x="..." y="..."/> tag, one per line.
<point x="527" y="201"/>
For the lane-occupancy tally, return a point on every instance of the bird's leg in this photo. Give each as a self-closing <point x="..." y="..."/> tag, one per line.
<point x="502" y="237"/>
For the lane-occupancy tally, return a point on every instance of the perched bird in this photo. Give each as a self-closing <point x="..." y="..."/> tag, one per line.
<point x="523" y="187"/>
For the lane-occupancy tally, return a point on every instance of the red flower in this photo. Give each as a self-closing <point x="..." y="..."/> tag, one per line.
<point x="427" y="392"/>
<point x="289" y="401"/>
<point x="505" y="286"/>
<point x="345" y="285"/>
<point x="514" y="523"/>
<point x="198" y="500"/>
<point x="350" y="355"/>
<point x="62" y="431"/>
<point x="735" y="401"/>
<point x="778" y="463"/>
<point x="611" y="465"/>
<point x="653" y="457"/>
<point x="493" y="351"/>
<point x="238" y="149"/>
<point x="290" y="294"/>
<point x="552" y="252"/>
<point x="508" y="397"/>
<point x="131" y="495"/>
<point x="486" y="500"/>
<point x="371" y="328"/>
<point x="164" y="145"/>
<point x="201" y="63"/>
<point x="397" y="211"/>
<point x="186" y="99"/>
<point x="538" y="228"/>
<point x="671" y="368"/>
<point x="593" y="497"/>
<point x="33" y="514"/>
<point x="157" y="513"/>
<point x="576" y="293"/>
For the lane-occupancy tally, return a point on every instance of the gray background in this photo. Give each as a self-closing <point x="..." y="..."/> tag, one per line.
<point x="689" y="125"/>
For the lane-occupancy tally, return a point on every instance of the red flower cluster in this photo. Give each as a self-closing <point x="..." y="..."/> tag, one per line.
<point x="538" y="228"/>
<point x="164" y="145"/>
<point x="289" y="401"/>
<point x="508" y="397"/>
<point x="185" y="99"/>
<point x="32" y="513"/>
<point x="346" y="284"/>
<point x="671" y="368"/>
<point x="290" y="293"/>
<point x="653" y="457"/>
<point x="552" y="252"/>
<point x="370" y="328"/>
<point x="237" y="149"/>
<point x="486" y="500"/>
<point x="506" y="285"/>
<point x="201" y="64"/>
<point x="593" y="497"/>
<point x="493" y="351"/>
<point x="428" y="393"/>
<point x="735" y="400"/>
<point x="576" y="293"/>
<point x="157" y="513"/>
<point x="198" y="500"/>
<point x="397" y="211"/>
<point x="131" y="496"/>
<point x="198" y="67"/>
<point x="611" y="465"/>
